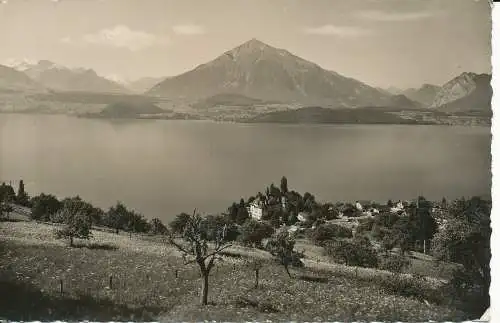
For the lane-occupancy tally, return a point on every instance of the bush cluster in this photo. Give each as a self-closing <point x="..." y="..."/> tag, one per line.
<point x="358" y="252"/>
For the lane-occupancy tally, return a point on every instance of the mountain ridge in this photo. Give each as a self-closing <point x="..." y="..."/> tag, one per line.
<point x="61" y="78"/>
<point x="12" y="80"/>
<point x="255" y="69"/>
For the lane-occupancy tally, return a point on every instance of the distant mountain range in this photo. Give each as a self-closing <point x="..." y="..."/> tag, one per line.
<point x="424" y="95"/>
<point x="12" y="80"/>
<point x="143" y="84"/>
<point x="60" y="78"/>
<point x="251" y="75"/>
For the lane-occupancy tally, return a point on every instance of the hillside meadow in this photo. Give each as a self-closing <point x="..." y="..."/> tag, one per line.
<point x="144" y="285"/>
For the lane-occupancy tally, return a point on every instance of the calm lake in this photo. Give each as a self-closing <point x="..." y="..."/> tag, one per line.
<point x="161" y="168"/>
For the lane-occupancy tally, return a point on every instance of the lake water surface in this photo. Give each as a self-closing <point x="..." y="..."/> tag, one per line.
<point x="161" y="168"/>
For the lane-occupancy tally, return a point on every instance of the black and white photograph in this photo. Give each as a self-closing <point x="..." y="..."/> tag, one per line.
<point x="246" y="160"/>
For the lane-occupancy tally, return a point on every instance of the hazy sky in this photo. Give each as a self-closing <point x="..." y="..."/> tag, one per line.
<point x="401" y="43"/>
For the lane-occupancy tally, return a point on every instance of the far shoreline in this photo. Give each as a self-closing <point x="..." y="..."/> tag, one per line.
<point x="243" y="122"/>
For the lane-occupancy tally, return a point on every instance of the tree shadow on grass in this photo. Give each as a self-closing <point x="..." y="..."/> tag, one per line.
<point x="95" y="246"/>
<point x="313" y="279"/>
<point x="23" y="302"/>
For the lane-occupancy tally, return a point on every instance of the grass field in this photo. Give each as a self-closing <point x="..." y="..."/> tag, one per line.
<point x="145" y="287"/>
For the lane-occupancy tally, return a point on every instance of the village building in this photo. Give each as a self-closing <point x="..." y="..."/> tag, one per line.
<point x="302" y="216"/>
<point x="398" y="207"/>
<point x="256" y="208"/>
<point x="283" y="203"/>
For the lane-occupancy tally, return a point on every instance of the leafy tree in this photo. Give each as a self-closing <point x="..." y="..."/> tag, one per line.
<point x="402" y="234"/>
<point x="157" y="227"/>
<point x="309" y="202"/>
<point x="423" y="224"/>
<point x="212" y="224"/>
<point x="389" y="242"/>
<point x="132" y="221"/>
<point x="465" y="239"/>
<point x="5" y="207"/>
<point x="7" y="193"/>
<point x="195" y="245"/>
<point x="253" y="232"/>
<point x="233" y="212"/>
<point x="444" y="203"/>
<point x="274" y="191"/>
<point x="284" y="185"/>
<point x="76" y="225"/>
<point x="22" y="197"/>
<point x="93" y="214"/>
<point x="43" y="206"/>
<point x="350" y="211"/>
<point x="178" y="225"/>
<point x="292" y="218"/>
<point x="329" y="211"/>
<point x="242" y="214"/>
<point x="387" y="219"/>
<point x="274" y="216"/>
<point x="281" y="245"/>
<point x="115" y="217"/>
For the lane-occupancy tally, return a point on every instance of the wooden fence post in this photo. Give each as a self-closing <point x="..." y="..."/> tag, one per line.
<point x="61" y="286"/>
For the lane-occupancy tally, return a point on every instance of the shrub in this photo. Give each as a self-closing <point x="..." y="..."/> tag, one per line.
<point x="411" y="287"/>
<point x="358" y="252"/>
<point x="395" y="263"/>
<point x="328" y="232"/>
<point x="252" y="232"/>
<point x="365" y="225"/>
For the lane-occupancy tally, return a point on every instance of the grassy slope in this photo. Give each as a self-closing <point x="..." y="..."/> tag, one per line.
<point x="145" y="286"/>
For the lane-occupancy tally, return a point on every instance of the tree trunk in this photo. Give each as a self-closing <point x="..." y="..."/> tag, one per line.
<point x="71" y="241"/>
<point x="287" y="271"/>
<point x="204" y="288"/>
<point x="256" y="278"/>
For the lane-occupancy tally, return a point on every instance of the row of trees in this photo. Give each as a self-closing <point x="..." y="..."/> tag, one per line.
<point x="77" y="215"/>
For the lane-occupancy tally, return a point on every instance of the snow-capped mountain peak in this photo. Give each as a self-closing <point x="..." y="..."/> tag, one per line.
<point x="20" y="64"/>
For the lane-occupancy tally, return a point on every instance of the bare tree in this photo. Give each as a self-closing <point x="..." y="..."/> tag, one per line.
<point x="202" y="243"/>
<point x="256" y="265"/>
